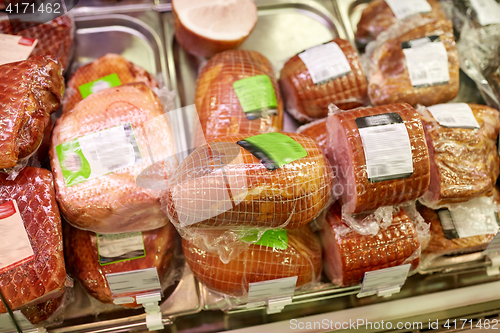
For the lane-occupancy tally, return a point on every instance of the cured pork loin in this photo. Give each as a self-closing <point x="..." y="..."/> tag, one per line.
<point x="349" y="255"/>
<point x="223" y="184"/>
<point x="55" y="38"/>
<point x="305" y="100"/>
<point x="347" y="152"/>
<point x="389" y="75"/>
<point x="377" y="17"/>
<point x="98" y="150"/>
<point x="83" y="259"/>
<point x="299" y="255"/>
<point x="44" y="277"/>
<point x="29" y="92"/>
<point x="464" y="161"/>
<point x="318" y="132"/>
<point x="108" y="64"/>
<point x="257" y="109"/>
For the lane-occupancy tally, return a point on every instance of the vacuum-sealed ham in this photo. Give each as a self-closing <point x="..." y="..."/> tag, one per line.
<point x="110" y="70"/>
<point x="92" y="257"/>
<point x="278" y="254"/>
<point x="380" y="156"/>
<point x="380" y="15"/>
<point x="317" y="131"/>
<point x="30" y="91"/>
<point x="415" y="62"/>
<point x="100" y="147"/>
<point x="463" y="152"/>
<point x="237" y="93"/>
<point x="349" y="255"/>
<point x="32" y="267"/>
<point x="322" y="75"/>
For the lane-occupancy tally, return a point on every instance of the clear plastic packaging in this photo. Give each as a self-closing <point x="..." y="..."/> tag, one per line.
<point x="44" y="277"/>
<point x="254" y="107"/>
<point x="318" y="132"/>
<point x="391" y="80"/>
<point x="30" y="91"/>
<point x="306" y="100"/>
<point x="464" y="161"/>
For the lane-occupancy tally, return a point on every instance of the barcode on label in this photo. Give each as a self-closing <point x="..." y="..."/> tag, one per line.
<point x="137" y="281"/>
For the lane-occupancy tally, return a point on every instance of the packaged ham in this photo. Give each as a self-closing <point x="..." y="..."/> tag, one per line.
<point x="33" y="271"/>
<point x="380" y="156"/>
<point x="380" y="15"/>
<point x="278" y="254"/>
<point x="92" y="257"/>
<point x="110" y="70"/>
<point x="30" y="91"/>
<point x="322" y="75"/>
<point x="415" y="62"/>
<point x="318" y="132"/>
<point x="237" y="93"/>
<point x="100" y="147"/>
<point x="206" y="27"/>
<point x="463" y="152"/>
<point x="55" y="38"/>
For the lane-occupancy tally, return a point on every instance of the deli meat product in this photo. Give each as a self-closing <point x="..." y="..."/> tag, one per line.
<point x="347" y="152"/>
<point x="464" y="161"/>
<point x="55" y="38"/>
<point x="377" y="17"/>
<point x="294" y="252"/>
<point x="307" y="100"/>
<point x="99" y="148"/>
<point x="44" y="277"/>
<point x="389" y="76"/>
<point x="42" y="312"/>
<point x="29" y="92"/>
<point x="349" y="255"/>
<point x="317" y="131"/>
<point x="85" y="263"/>
<point x="223" y="184"/>
<point x="259" y="107"/>
<point x="104" y="66"/>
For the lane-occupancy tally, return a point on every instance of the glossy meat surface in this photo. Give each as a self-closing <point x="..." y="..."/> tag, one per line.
<point x="317" y="131"/>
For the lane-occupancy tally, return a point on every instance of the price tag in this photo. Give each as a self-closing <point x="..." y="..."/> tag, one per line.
<point x="405" y="8"/>
<point x="494" y="246"/>
<point x="487" y="11"/>
<point x="138" y="281"/>
<point x="278" y="288"/>
<point x="15" y="48"/>
<point x="7" y="324"/>
<point x="467" y="223"/>
<point x="457" y="115"/>
<point x="392" y="278"/>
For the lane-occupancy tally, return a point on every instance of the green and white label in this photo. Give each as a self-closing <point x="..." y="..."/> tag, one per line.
<point x="273" y="149"/>
<point x="275" y="238"/>
<point x="98" y="154"/>
<point x="108" y="81"/>
<point x="113" y="248"/>
<point x="257" y="97"/>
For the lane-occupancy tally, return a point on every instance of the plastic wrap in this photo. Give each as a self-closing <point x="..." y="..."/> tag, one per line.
<point x="377" y="17"/>
<point x="44" y="277"/>
<point x="288" y="253"/>
<point x="55" y="38"/>
<point x="386" y="64"/>
<point x="306" y="100"/>
<point x="100" y="147"/>
<point x="257" y="109"/>
<point x="464" y="161"/>
<point x="90" y="266"/>
<point x="106" y="66"/>
<point x="318" y="132"/>
<point x="361" y="188"/>
<point x="348" y="255"/>
<point x="29" y="92"/>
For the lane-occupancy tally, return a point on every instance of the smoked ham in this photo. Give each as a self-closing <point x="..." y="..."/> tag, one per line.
<point x="43" y="278"/>
<point x="306" y="100"/>
<point x="349" y="255"/>
<point x="124" y="130"/>
<point x="348" y="156"/>
<point x="318" y="132"/>
<point x="299" y="256"/>
<point x="29" y="92"/>
<point x="106" y="65"/>
<point x="219" y="107"/>
<point x="43" y="312"/>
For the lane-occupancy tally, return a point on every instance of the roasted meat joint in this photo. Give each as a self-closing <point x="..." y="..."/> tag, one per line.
<point x="249" y="165"/>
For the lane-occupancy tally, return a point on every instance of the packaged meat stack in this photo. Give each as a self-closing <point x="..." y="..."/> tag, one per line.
<point x="322" y="75"/>
<point x="237" y="93"/>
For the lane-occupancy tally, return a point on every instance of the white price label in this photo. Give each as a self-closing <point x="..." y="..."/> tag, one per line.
<point x="387" y="278"/>
<point x="15" y="48"/>
<point x="114" y="248"/>
<point x="468" y="223"/>
<point x="278" y="288"/>
<point x="494" y="246"/>
<point x="325" y="62"/>
<point x="454" y="115"/>
<point x="138" y="281"/>
<point x="488" y="11"/>
<point x="404" y="8"/>
<point x="7" y="324"/>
